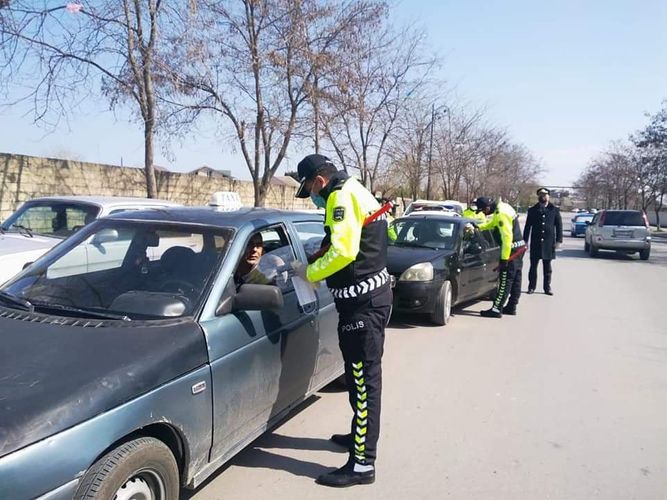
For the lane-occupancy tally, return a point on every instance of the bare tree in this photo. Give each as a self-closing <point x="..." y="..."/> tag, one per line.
<point x="380" y="71"/>
<point x="651" y="143"/>
<point x="119" y="44"/>
<point x="255" y="67"/>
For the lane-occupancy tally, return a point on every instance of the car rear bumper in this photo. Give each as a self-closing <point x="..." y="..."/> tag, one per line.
<point x="416" y="297"/>
<point x="618" y="244"/>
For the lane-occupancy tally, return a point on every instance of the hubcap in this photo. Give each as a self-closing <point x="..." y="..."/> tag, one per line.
<point x="144" y="485"/>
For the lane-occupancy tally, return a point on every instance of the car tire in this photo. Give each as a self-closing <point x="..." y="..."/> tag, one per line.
<point x="587" y="247"/>
<point x="145" y="465"/>
<point x="645" y="254"/>
<point x="442" y="311"/>
<point x="594" y="250"/>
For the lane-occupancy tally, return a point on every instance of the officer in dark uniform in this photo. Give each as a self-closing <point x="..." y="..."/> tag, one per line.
<point x="544" y="227"/>
<point x="354" y="266"/>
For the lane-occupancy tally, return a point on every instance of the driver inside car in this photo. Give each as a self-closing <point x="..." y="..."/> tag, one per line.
<point x="255" y="267"/>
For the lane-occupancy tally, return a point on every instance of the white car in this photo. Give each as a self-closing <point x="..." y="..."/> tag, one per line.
<point x="42" y="223"/>
<point x="434" y="206"/>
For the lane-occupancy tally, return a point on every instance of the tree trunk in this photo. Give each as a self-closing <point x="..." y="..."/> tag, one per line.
<point x="149" y="170"/>
<point x="260" y="192"/>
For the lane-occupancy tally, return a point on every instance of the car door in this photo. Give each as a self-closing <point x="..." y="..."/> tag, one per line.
<point x="490" y="257"/>
<point x="473" y="267"/>
<point x="329" y="358"/>
<point x="261" y="361"/>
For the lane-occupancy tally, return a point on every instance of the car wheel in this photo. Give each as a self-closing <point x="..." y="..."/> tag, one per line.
<point x="587" y="247"/>
<point x="443" y="305"/>
<point x="594" y="250"/>
<point x="644" y="254"/>
<point x="141" y="469"/>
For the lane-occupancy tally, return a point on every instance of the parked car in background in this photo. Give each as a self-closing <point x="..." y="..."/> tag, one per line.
<point x="437" y="264"/>
<point x="434" y="206"/>
<point x="625" y="231"/>
<point x="578" y="224"/>
<point x="146" y="375"/>
<point x="42" y="223"/>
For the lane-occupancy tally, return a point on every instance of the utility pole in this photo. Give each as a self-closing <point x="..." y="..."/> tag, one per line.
<point x="430" y="155"/>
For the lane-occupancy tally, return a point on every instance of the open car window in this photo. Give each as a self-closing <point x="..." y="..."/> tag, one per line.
<point x="137" y="269"/>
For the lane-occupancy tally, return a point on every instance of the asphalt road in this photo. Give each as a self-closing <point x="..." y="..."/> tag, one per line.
<point x="567" y="400"/>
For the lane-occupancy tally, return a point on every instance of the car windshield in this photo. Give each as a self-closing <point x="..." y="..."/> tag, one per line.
<point x="623" y="219"/>
<point x="584" y="218"/>
<point x="124" y="268"/>
<point x="427" y="233"/>
<point x="58" y="219"/>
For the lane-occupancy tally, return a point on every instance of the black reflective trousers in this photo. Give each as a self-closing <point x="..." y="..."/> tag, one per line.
<point x="509" y="284"/>
<point x="361" y="325"/>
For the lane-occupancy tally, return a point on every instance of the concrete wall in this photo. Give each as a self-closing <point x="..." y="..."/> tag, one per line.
<point x="25" y="177"/>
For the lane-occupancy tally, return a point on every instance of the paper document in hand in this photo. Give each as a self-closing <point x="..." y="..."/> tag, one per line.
<point x="305" y="294"/>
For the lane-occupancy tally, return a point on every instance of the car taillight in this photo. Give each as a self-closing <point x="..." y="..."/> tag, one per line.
<point x="645" y="220"/>
<point x="602" y="217"/>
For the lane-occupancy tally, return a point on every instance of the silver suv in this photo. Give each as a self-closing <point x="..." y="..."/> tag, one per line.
<point x="622" y="230"/>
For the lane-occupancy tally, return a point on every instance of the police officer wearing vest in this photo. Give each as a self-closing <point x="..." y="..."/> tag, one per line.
<point x="354" y="266"/>
<point x="512" y="246"/>
<point x="471" y="212"/>
<point x="544" y="227"/>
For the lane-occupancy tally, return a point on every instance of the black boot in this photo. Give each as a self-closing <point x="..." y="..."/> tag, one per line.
<point x="347" y="476"/>
<point x="344" y="440"/>
<point x="531" y="291"/>
<point x="509" y="310"/>
<point x="491" y="313"/>
<point x="548" y="291"/>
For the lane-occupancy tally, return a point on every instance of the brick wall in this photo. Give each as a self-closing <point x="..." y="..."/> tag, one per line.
<point x="25" y="177"/>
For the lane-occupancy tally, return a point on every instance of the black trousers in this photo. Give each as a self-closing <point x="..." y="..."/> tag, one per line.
<point x="361" y="324"/>
<point x="532" y="273"/>
<point x="509" y="284"/>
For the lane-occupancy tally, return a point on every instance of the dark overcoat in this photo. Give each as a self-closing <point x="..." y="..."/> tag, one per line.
<point x="544" y="227"/>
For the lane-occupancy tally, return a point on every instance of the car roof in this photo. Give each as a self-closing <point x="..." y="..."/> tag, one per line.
<point x="435" y="216"/>
<point x="212" y="216"/>
<point x="109" y="201"/>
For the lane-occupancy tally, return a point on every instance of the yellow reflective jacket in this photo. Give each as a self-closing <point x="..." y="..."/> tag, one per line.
<point x="356" y="251"/>
<point x="478" y="217"/>
<point x="506" y="220"/>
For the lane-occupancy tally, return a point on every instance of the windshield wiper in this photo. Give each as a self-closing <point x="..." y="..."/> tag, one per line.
<point x="26" y="231"/>
<point x="89" y="313"/>
<point x="17" y="301"/>
<point x="414" y="245"/>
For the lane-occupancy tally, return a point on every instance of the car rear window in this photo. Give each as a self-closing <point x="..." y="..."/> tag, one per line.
<point x="623" y="219"/>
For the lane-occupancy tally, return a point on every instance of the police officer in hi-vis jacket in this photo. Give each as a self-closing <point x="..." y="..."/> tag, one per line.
<point x="354" y="266"/>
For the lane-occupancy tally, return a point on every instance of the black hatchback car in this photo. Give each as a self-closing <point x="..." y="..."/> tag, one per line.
<point x="438" y="264"/>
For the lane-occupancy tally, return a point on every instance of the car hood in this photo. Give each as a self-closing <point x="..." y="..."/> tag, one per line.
<point x="401" y="258"/>
<point x="11" y="243"/>
<point x="57" y="372"/>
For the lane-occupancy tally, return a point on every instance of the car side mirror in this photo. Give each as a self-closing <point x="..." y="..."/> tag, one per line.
<point x="105" y="236"/>
<point x="252" y="298"/>
<point x="473" y="249"/>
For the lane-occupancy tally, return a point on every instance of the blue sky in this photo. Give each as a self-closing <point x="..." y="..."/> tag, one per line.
<point x="563" y="77"/>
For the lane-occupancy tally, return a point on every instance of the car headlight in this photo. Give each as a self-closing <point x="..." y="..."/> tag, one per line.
<point x="418" y="272"/>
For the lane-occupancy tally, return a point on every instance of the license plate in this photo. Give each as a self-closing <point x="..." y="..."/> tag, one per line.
<point x="622" y="234"/>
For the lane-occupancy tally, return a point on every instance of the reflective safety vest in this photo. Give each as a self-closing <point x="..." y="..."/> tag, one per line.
<point x="357" y="254"/>
<point x="478" y="217"/>
<point x="506" y="220"/>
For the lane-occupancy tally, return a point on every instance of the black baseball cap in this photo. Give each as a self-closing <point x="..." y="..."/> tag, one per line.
<point x="308" y="169"/>
<point x="482" y="202"/>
